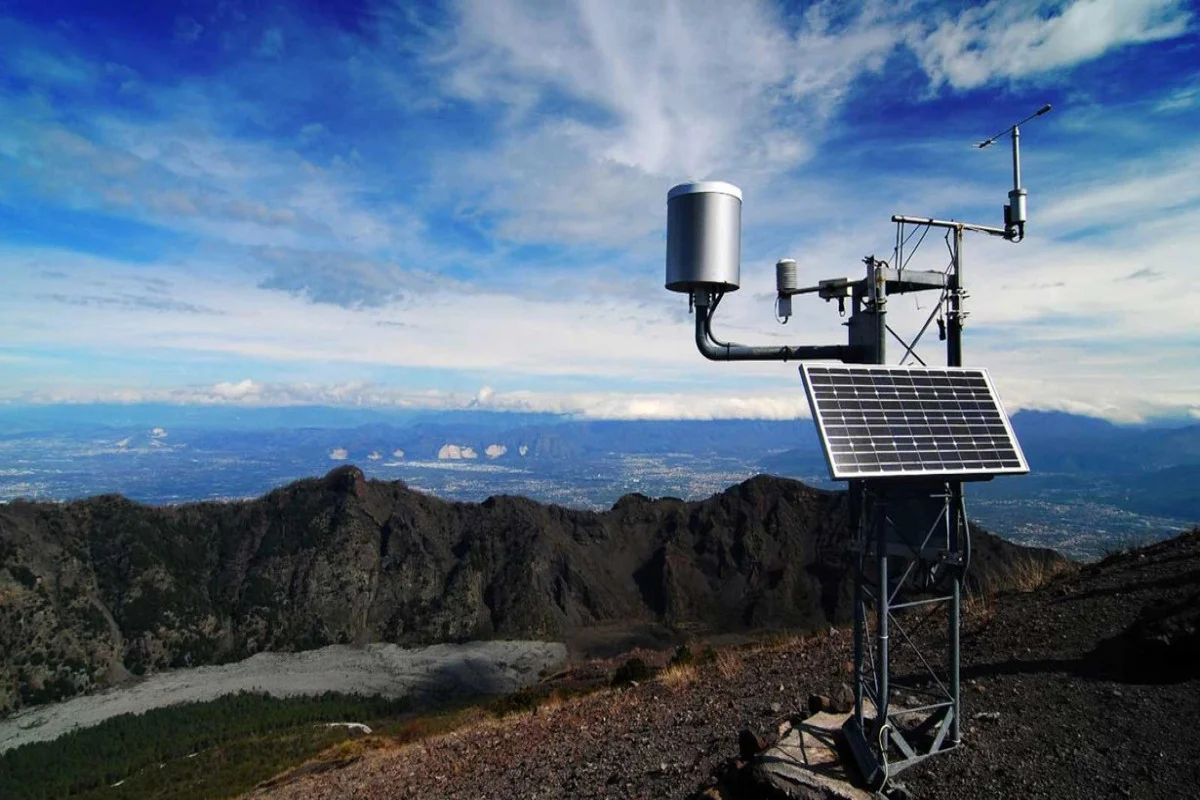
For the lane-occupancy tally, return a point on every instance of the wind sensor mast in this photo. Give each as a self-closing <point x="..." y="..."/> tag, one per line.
<point x="1014" y="212"/>
<point x="906" y="438"/>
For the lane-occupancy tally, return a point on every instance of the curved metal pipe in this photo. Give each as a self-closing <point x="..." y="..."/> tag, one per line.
<point x="714" y="349"/>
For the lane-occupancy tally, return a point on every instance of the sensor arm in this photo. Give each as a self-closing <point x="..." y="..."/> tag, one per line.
<point x="716" y="350"/>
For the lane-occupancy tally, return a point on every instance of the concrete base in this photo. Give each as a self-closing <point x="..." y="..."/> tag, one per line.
<point x="805" y="765"/>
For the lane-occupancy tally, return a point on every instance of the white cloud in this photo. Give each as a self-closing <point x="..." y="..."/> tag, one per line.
<point x="629" y="97"/>
<point x="495" y="450"/>
<point x="454" y="452"/>
<point x="657" y="405"/>
<point x="656" y="92"/>
<point x="339" y="454"/>
<point x="454" y="331"/>
<point x="241" y="390"/>
<point x="1055" y="320"/>
<point x="1090" y="392"/>
<point x="1015" y="39"/>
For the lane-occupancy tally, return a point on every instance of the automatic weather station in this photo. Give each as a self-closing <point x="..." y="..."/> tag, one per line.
<point x="906" y="438"/>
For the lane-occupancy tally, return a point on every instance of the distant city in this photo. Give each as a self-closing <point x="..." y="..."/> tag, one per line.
<point x="1095" y="487"/>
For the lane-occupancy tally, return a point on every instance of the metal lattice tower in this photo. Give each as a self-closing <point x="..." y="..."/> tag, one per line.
<point x="911" y="540"/>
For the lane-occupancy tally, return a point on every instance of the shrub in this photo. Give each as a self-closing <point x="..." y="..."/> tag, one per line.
<point x="979" y="607"/>
<point x="682" y="658"/>
<point x="677" y="675"/>
<point x="522" y="700"/>
<point x="729" y="663"/>
<point x="1030" y="574"/>
<point x="632" y="671"/>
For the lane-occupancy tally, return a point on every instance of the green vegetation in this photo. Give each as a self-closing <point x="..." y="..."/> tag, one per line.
<point x="194" y="750"/>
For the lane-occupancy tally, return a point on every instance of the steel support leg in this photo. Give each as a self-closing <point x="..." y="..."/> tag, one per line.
<point x="860" y="610"/>
<point x="882" y="612"/>
<point x="957" y="532"/>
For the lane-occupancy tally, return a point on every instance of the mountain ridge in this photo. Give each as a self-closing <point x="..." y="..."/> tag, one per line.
<point x="95" y="587"/>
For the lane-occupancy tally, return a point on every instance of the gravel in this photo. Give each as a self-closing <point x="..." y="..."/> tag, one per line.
<point x="429" y="674"/>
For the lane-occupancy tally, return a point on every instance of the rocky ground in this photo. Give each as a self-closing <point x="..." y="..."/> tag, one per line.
<point x="1096" y="680"/>
<point x="1086" y="687"/>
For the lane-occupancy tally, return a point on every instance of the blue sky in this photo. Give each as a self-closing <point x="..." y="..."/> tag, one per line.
<point x="463" y="204"/>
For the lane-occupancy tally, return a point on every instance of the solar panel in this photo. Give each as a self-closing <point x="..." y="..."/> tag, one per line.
<point x="889" y="422"/>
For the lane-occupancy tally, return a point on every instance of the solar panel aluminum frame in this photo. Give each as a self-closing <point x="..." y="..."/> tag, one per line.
<point x="966" y="473"/>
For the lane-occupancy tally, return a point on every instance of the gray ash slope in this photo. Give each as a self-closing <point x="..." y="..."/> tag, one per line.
<point x="97" y="587"/>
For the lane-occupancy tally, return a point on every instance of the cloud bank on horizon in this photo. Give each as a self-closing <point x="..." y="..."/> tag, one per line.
<point x="463" y="204"/>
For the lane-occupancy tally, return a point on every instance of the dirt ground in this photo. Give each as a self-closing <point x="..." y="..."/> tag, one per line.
<point x="1085" y="688"/>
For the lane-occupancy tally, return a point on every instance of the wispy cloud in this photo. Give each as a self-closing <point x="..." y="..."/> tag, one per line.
<point x="1019" y="40"/>
<point x="1115" y="197"/>
<point x="127" y="301"/>
<point x="1143" y="274"/>
<point x="625" y="97"/>
<point x="1179" y="100"/>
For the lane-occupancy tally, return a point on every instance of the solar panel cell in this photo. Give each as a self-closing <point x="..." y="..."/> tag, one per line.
<point x="897" y="421"/>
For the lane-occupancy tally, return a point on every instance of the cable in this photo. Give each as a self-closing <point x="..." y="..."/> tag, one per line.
<point x="712" y="309"/>
<point x="916" y="247"/>
<point x="966" y="523"/>
<point x="883" y="760"/>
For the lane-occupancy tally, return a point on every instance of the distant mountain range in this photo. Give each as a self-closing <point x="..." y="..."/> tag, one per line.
<point x="1053" y="441"/>
<point x="97" y="588"/>
<point x="1142" y="469"/>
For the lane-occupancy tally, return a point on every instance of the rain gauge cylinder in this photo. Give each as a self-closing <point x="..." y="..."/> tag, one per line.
<point x="704" y="237"/>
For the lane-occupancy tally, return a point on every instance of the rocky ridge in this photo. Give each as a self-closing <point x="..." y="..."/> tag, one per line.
<point x="94" y="589"/>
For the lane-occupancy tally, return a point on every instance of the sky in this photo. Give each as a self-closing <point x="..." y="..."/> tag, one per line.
<point x="463" y="204"/>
